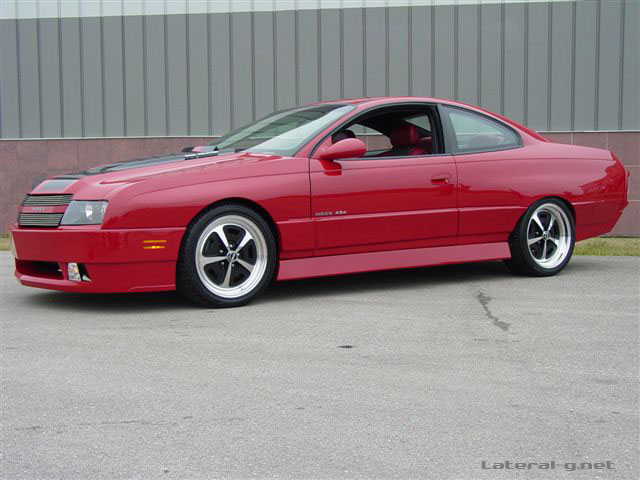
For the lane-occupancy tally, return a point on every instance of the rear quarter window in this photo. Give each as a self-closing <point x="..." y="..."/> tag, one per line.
<point x="473" y="132"/>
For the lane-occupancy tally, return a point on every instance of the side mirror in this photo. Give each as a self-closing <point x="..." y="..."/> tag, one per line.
<point x="347" y="148"/>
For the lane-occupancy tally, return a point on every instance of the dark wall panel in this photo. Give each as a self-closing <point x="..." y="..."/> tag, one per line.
<point x="9" y="84"/>
<point x="609" y="65"/>
<point x="375" y="52"/>
<point x="113" y="50"/>
<point x="92" y="86"/>
<point x="135" y="106"/>
<point x="630" y="113"/>
<point x="264" y="51"/>
<point x="586" y="58"/>
<point x="399" y="51"/>
<point x="285" y="61"/>
<point x="29" y="77"/>
<point x="330" y="53"/>
<point x="420" y="51"/>
<point x="156" y="75"/>
<point x="353" y="53"/>
<point x="468" y="53"/>
<point x="514" y="61"/>
<point x="561" y="91"/>
<point x="198" y="75"/>
<point x="308" y="60"/>
<point x="49" y="46"/>
<point x="445" y="53"/>
<point x="538" y="66"/>
<point x="491" y="56"/>
<point x="242" y="58"/>
<point x="177" y="73"/>
<point x="221" y="113"/>
<point x="71" y="78"/>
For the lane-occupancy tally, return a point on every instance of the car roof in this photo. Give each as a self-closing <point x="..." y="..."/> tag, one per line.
<point x="380" y="100"/>
<point x="365" y="102"/>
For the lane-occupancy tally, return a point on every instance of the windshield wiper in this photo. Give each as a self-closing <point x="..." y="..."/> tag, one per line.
<point x="211" y="153"/>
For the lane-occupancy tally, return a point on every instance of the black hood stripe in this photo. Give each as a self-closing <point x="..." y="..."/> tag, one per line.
<point x="129" y="164"/>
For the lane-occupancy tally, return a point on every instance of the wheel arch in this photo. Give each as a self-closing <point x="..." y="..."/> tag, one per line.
<point x="259" y="209"/>
<point x="567" y="203"/>
<point x="564" y="201"/>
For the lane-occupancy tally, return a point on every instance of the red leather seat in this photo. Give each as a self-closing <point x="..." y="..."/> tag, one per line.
<point x="406" y="140"/>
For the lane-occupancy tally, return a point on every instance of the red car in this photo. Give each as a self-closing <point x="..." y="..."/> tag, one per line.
<point x="325" y="189"/>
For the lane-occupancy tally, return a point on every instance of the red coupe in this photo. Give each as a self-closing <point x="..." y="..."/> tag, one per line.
<point x="325" y="189"/>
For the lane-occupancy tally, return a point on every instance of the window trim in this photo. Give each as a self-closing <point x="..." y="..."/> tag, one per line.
<point x="437" y="127"/>
<point x="450" y="134"/>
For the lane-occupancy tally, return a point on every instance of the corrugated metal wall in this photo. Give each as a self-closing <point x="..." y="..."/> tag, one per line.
<point x="555" y="66"/>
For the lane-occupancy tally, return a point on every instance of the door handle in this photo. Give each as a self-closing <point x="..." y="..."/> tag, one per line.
<point x="440" y="179"/>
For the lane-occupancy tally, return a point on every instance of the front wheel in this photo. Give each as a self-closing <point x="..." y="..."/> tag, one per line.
<point x="228" y="256"/>
<point x="542" y="243"/>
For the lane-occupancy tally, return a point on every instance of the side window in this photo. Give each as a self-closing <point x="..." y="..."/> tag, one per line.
<point x="473" y="132"/>
<point x="373" y="139"/>
<point x="395" y="131"/>
<point x="420" y="120"/>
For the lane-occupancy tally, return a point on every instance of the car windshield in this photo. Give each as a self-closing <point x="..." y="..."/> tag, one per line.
<point x="282" y="133"/>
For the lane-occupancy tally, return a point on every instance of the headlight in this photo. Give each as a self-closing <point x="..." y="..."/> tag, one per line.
<point x="81" y="212"/>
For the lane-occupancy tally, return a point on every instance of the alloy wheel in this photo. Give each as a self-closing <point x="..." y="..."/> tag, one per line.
<point x="231" y="256"/>
<point x="549" y="235"/>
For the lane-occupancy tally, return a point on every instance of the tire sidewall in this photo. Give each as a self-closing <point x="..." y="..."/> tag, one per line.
<point x="188" y="280"/>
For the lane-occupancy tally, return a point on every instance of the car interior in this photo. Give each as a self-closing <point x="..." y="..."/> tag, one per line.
<point x="394" y="132"/>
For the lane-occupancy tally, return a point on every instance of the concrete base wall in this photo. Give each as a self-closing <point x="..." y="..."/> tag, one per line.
<point x="25" y="162"/>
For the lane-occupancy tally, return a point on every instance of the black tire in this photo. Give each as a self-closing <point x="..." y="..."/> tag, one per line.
<point x="190" y="278"/>
<point x="523" y="261"/>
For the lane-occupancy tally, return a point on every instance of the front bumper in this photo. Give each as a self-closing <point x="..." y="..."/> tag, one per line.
<point x="126" y="260"/>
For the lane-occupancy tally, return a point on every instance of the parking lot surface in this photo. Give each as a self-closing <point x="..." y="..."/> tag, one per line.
<point x="421" y="373"/>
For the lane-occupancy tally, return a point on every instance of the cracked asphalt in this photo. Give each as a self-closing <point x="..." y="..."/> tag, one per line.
<point x="407" y="374"/>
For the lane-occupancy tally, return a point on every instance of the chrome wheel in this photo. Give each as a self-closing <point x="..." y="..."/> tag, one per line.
<point x="549" y="235"/>
<point x="231" y="256"/>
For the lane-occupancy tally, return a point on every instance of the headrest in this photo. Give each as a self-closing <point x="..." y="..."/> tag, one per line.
<point x="404" y="135"/>
<point x="341" y="135"/>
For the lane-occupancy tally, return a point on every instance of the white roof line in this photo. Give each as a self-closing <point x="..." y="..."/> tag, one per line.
<point x="19" y="9"/>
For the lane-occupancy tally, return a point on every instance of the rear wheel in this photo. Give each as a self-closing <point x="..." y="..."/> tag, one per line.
<point x="228" y="257"/>
<point x="542" y="243"/>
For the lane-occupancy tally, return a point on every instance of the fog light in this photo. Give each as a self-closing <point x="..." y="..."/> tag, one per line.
<point x="73" y="272"/>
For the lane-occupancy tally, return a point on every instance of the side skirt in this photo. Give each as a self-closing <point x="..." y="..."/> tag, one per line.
<point x="369" y="262"/>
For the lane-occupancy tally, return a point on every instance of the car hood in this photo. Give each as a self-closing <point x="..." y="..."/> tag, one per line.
<point x="132" y="171"/>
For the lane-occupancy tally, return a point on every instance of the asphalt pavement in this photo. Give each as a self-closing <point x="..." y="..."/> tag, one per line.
<point x="421" y="373"/>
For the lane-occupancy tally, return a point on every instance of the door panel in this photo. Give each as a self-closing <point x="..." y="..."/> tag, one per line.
<point x="379" y="203"/>
<point x="487" y="153"/>
<point x="489" y="202"/>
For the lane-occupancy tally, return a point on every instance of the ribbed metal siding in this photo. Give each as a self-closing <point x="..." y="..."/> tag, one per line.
<point x="554" y="66"/>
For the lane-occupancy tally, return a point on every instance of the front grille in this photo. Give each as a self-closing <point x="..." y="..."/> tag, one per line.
<point x="39" y="219"/>
<point x="46" y="200"/>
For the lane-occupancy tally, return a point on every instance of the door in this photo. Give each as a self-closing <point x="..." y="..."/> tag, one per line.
<point x="401" y="194"/>
<point x="486" y="152"/>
